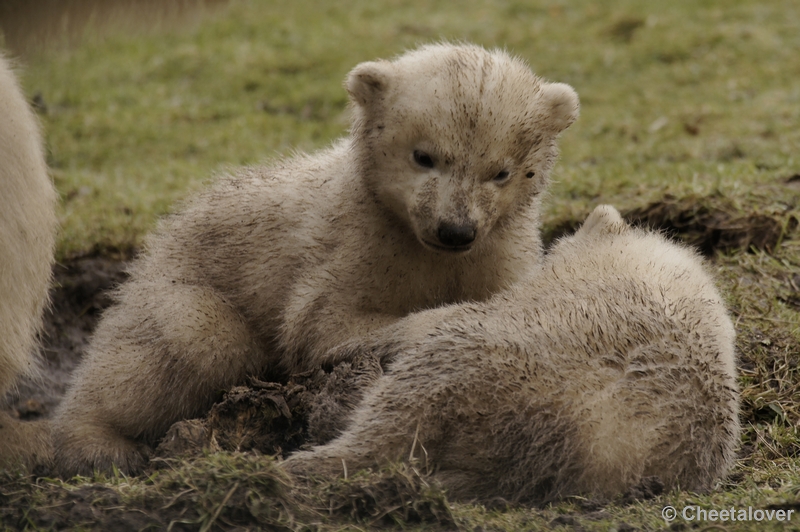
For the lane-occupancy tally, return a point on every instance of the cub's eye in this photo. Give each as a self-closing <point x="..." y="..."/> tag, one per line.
<point x="423" y="159"/>
<point x="530" y="174"/>
<point x="501" y="176"/>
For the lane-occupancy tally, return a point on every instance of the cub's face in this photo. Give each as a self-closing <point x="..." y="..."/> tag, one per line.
<point x="454" y="140"/>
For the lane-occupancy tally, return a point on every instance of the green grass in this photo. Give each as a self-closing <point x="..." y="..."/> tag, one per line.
<point x="689" y="98"/>
<point x="677" y="97"/>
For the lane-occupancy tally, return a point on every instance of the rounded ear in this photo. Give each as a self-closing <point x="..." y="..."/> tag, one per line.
<point x="562" y="104"/>
<point x="604" y="219"/>
<point x="367" y="82"/>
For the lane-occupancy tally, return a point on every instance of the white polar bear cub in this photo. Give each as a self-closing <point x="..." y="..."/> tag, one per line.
<point x="433" y="198"/>
<point x="615" y="361"/>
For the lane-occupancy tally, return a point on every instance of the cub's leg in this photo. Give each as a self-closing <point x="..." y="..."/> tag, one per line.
<point x="164" y="353"/>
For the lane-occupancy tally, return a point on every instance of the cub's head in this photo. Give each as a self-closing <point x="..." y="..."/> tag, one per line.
<point x="455" y="140"/>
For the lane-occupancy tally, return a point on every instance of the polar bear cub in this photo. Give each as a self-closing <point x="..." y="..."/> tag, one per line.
<point x="27" y="242"/>
<point x="615" y="361"/>
<point x="433" y="198"/>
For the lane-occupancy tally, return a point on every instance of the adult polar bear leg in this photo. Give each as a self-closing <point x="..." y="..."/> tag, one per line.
<point x="27" y="229"/>
<point x="27" y="239"/>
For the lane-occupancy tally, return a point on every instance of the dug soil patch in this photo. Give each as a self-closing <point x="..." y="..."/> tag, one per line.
<point x="276" y="418"/>
<point x="707" y="223"/>
<point x="716" y="225"/>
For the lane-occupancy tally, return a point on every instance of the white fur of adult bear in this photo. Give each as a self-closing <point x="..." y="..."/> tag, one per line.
<point x="433" y="198"/>
<point x="27" y="239"/>
<point x="614" y="362"/>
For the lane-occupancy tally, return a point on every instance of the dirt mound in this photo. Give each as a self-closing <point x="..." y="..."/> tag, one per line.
<point x="716" y="225"/>
<point x="276" y="418"/>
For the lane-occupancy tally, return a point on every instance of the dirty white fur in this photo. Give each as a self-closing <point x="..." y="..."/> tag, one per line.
<point x="615" y="361"/>
<point x="27" y="239"/>
<point x="272" y="267"/>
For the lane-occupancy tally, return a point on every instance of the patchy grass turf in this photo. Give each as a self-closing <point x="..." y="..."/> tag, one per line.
<point x="689" y="122"/>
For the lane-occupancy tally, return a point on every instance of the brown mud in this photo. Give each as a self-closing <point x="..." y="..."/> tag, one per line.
<point x="276" y="418"/>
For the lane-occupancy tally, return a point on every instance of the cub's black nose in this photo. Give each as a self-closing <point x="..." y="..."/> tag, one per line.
<point x="452" y="235"/>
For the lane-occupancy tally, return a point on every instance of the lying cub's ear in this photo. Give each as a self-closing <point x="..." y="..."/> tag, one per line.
<point x="604" y="219"/>
<point x="562" y="104"/>
<point x="367" y="82"/>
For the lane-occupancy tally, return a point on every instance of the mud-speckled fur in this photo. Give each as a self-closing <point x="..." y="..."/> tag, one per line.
<point x="614" y="362"/>
<point x="271" y="268"/>
<point x="27" y="239"/>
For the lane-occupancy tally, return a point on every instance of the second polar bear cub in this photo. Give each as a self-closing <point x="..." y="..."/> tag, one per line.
<point x="434" y="198"/>
<point x="614" y="362"/>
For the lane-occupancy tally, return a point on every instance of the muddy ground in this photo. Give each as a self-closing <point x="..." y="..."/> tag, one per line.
<point x="269" y="418"/>
<point x="278" y="418"/>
